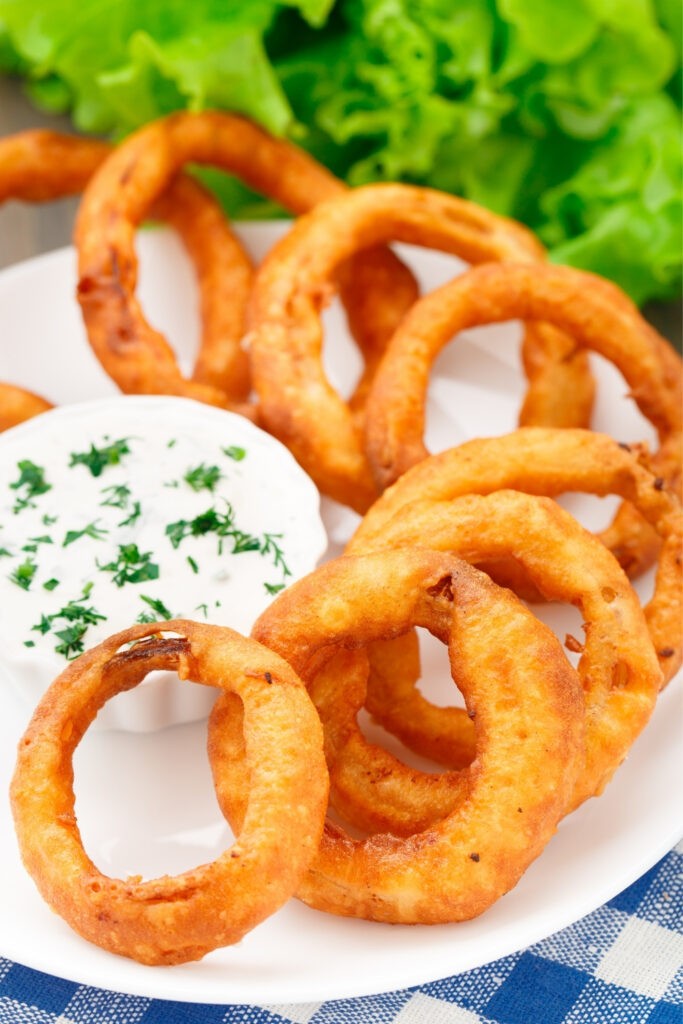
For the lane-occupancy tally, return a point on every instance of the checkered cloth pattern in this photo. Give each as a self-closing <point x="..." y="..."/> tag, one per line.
<point x="622" y="964"/>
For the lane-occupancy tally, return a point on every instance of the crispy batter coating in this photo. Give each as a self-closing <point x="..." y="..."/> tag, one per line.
<point x="618" y="667"/>
<point x="525" y="704"/>
<point x="298" y="403"/>
<point x="395" y="412"/>
<point x="41" y="166"/>
<point x="554" y="462"/>
<point x="134" y="177"/>
<point x="17" y="405"/>
<point x="171" y="920"/>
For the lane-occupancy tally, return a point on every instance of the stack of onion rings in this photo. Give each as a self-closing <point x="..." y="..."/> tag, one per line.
<point x="524" y="705"/>
<point x="618" y="667"/>
<point x="395" y="411"/>
<point x="441" y="847"/>
<point x="554" y="462"/>
<point x="133" y="178"/>
<point x="297" y="402"/>
<point x="171" y="920"/>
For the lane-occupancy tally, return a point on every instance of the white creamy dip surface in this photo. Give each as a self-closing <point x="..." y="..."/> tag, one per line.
<point x="141" y="509"/>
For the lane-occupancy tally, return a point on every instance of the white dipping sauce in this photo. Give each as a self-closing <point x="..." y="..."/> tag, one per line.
<point x="142" y="509"/>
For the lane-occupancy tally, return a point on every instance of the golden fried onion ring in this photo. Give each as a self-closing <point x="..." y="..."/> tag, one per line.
<point x="17" y="405"/>
<point x="618" y="668"/>
<point x="298" y="404"/>
<point x="497" y="292"/>
<point x="128" y="183"/>
<point x="524" y="705"/>
<point x="554" y="462"/>
<point x="40" y="166"/>
<point x="171" y="920"/>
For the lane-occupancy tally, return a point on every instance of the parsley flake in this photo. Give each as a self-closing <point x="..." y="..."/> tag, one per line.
<point x="32" y="482"/>
<point x="273" y="588"/>
<point x="24" y="573"/>
<point x="203" y="478"/>
<point x="131" y="566"/>
<point x="118" y="495"/>
<point x="91" y="530"/>
<point x="32" y="546"/>
<point x="158" y="607"/>
<point x="223" y="525"/>
<point x="71" y="641"/>
<point x="134" y="515"/>
<point x="97" y="459"/>
<point x="233" y="452"/>
<point x="80" y="617"/>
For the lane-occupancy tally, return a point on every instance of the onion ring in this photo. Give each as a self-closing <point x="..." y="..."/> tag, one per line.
<point x="554" y="462"/>
<point x="298" y="404"/>
<point x="170" y="920"/>
<point x="129" y="182"/>
<point x="618" y="667"/>
<point x="17" y="405"/>
<point x="41" y="166"/>
<point x="498" y="292"/>
<point x="455" y="869"/>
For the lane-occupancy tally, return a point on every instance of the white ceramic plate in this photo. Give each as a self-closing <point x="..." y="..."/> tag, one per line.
<point x="146" y="803"/>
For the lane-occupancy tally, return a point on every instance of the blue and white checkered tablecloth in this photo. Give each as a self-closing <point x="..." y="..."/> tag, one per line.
<point x="622" y="964"/>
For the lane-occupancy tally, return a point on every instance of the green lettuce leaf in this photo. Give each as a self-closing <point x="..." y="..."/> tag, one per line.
<point x="562" y="113"/>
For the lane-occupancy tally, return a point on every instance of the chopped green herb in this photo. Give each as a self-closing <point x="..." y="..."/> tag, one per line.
<point x="223" y="525"/>
<point x="192" y="564"/>
<point x="203" y="478"/>
<point x="211" y="521"/>
<point x="274" y="588"/>
<point x="146" y="617"/>
<point x="32" y="480"/>
<point x="204" y="609"/>
<point x="242" y="542"/>
<point x="51" y="584"/>
<point x="133" y="517"/>
<point x="32" y="546"/>
<point x="118" y="495"/>
<point x="97" y="459"/>
<point x="44" y="626"/>
<point x="233" y="452"/>
<point x="80" y="615"/>
<point x="269" y="545"/>
<point x="157" y="606"/>
<point x="49" y="520"/>
<point x="172" y="443"/>
<point x="24" y="573"/>
<point x="75" y="611"/>
<point x="131" y="566"/>
<point x="4" y="553"/>
<point x="72" y="641"/>
<point x="29" y="643"/>
<point x="91" y="530"/>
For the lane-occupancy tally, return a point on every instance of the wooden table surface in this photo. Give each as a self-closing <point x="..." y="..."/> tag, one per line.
<point x="27" y="230"/>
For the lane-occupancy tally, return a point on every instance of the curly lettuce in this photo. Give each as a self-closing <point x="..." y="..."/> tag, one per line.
<point x="562" y="113"/>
